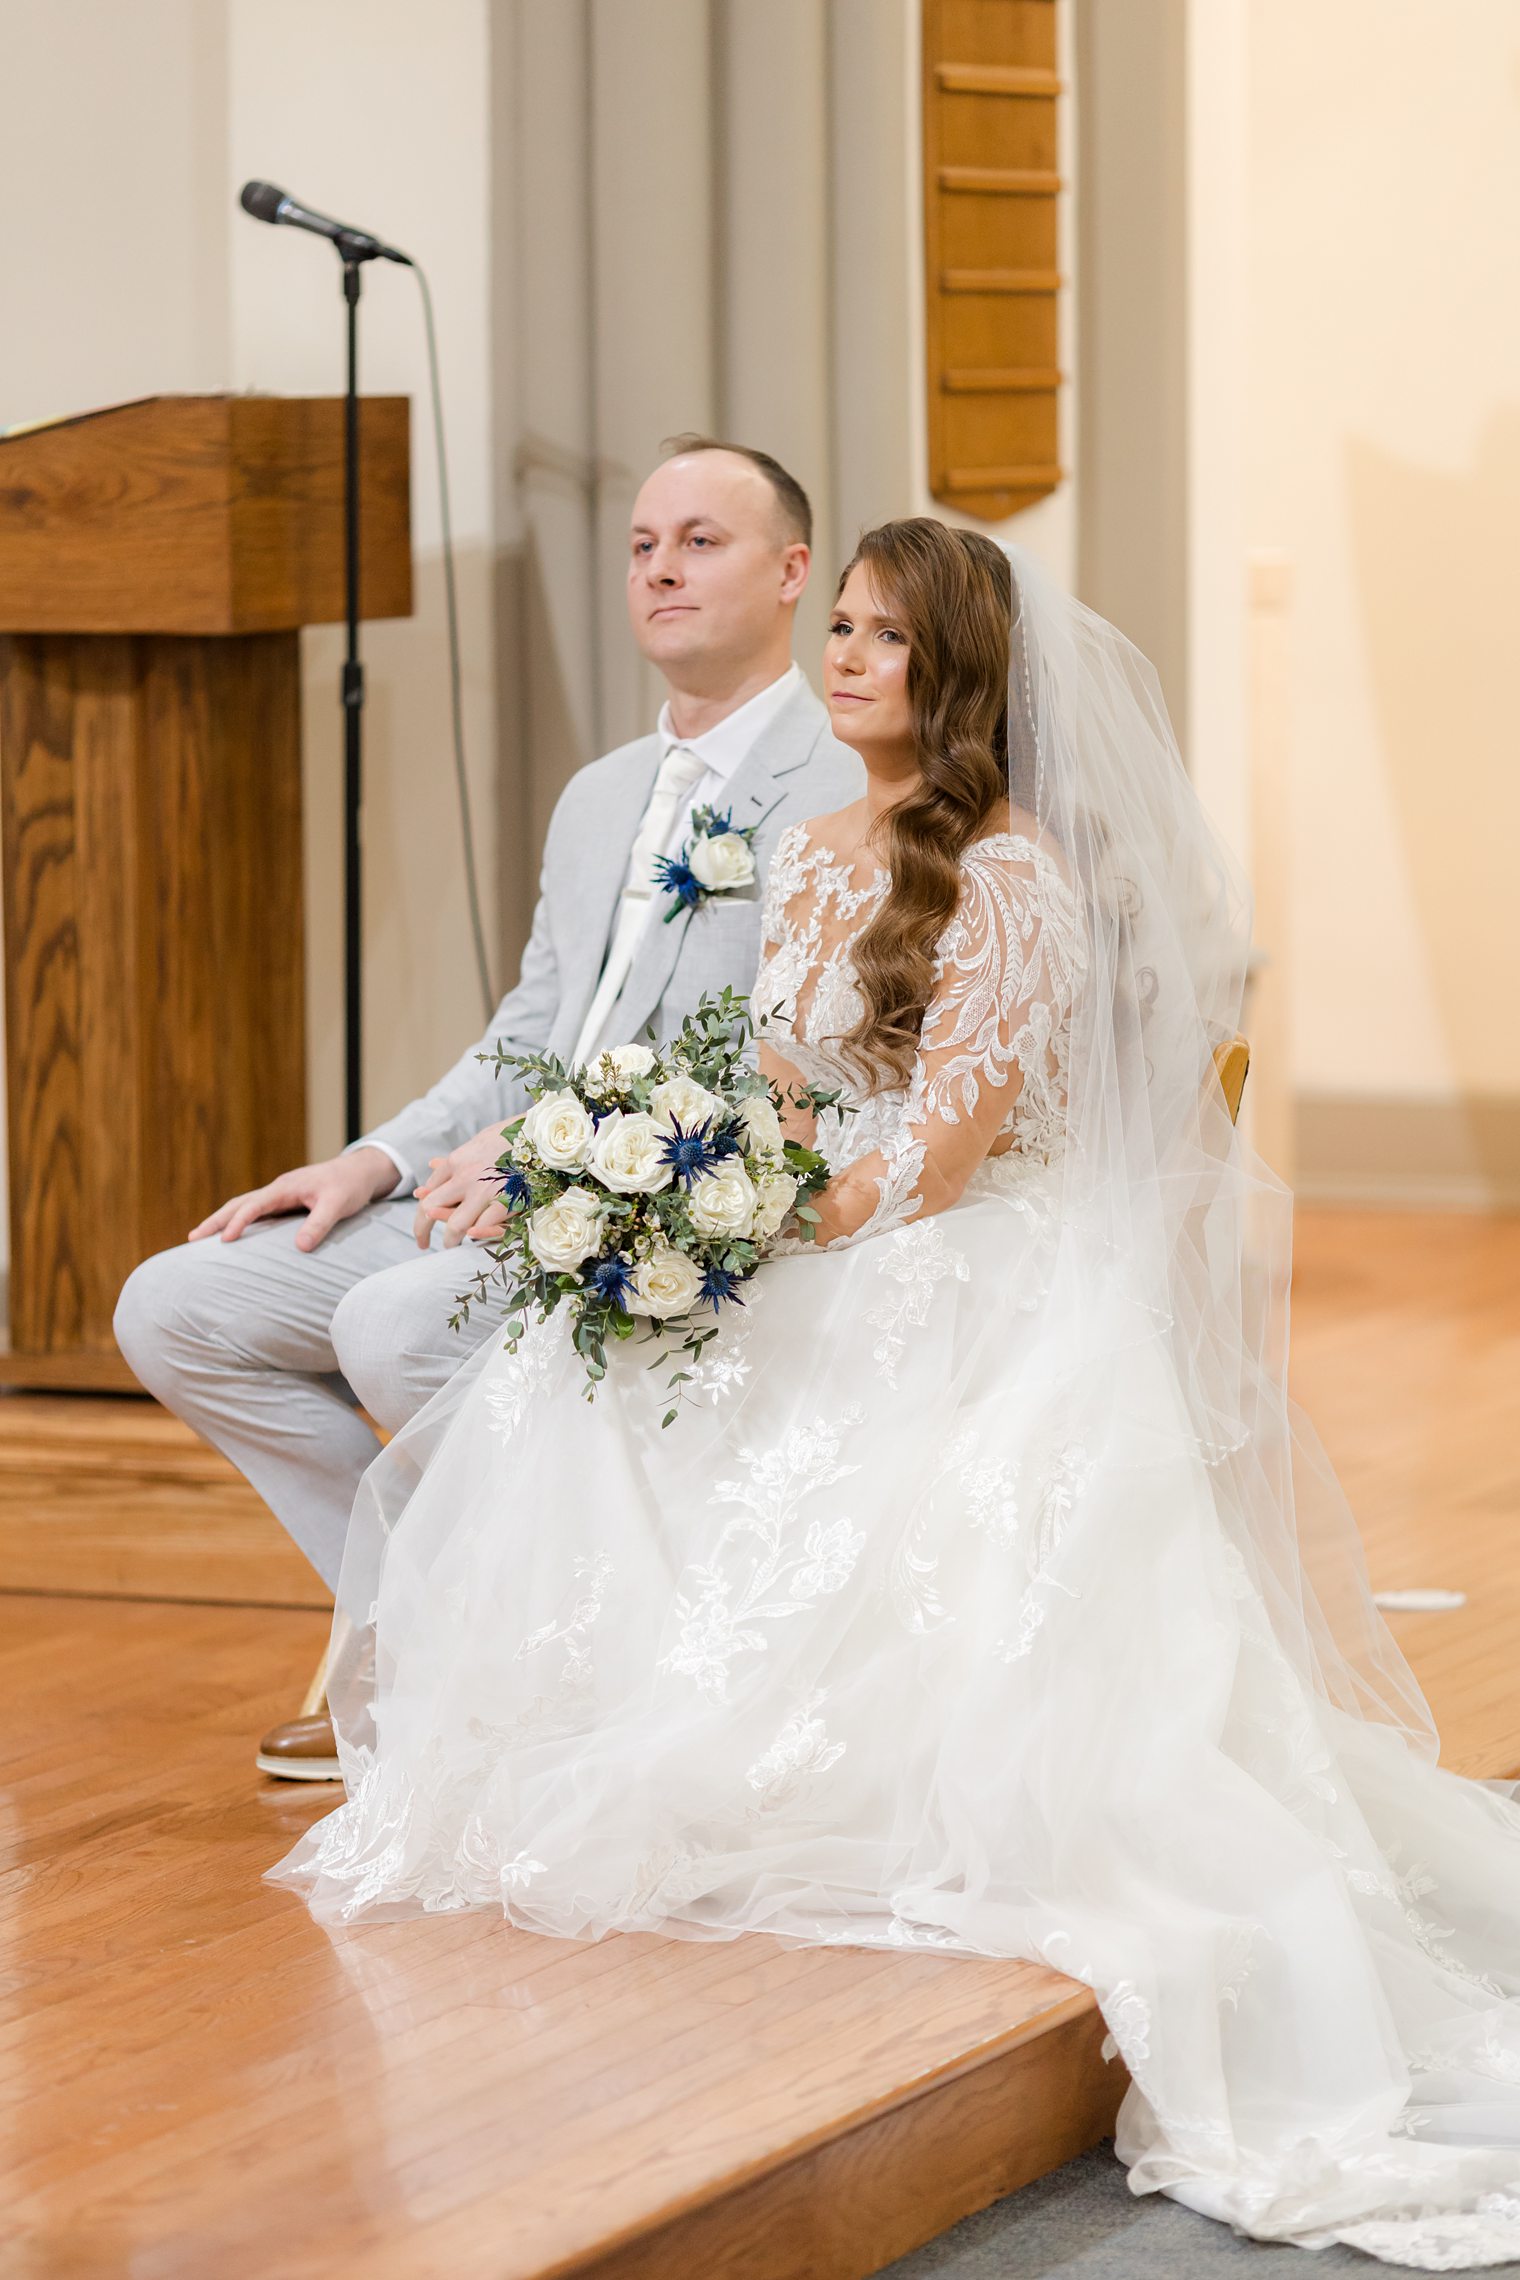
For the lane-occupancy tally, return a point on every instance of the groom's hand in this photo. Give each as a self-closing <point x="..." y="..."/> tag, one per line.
<point x="459" y="1196"/>
<point x="326" y="1192"/>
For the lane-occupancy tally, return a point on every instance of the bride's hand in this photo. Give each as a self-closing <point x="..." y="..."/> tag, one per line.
<point x="843" y="1206"/>
<point x="459" y="1194"/>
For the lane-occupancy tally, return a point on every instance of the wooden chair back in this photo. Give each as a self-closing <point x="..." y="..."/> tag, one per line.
<point x="1231" y="1063"/>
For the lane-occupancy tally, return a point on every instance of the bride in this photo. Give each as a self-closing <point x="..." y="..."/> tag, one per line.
<point x="985" y="1593"/>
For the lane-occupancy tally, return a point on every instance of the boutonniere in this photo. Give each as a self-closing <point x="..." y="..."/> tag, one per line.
<point x="718" y="859"/>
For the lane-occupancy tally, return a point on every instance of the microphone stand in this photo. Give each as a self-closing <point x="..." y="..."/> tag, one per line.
<point x="353" y="251"/>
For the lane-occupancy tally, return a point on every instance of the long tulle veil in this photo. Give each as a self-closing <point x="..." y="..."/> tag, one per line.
<point x="1323" y="2036"/>
<point x="1155" y="1166"/>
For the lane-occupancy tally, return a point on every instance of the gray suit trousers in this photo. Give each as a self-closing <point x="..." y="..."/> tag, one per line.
<point x="268" y="1351"/>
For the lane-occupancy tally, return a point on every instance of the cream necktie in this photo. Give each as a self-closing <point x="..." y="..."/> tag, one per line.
<point x="680" y="772"/>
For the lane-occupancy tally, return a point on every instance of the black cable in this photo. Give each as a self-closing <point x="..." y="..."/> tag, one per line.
<point x="451" y="611"/>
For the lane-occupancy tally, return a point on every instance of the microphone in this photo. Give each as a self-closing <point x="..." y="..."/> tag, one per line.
<point x="267" y="204"/>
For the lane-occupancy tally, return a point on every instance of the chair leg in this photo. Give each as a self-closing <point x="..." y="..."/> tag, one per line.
<point x="315" y="1698"/>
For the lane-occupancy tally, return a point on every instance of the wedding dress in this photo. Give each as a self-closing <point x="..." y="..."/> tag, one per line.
<point x="986" y="1593"/>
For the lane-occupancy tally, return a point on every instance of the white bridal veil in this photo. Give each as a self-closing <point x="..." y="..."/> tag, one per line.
<point x="1155" y="1168"/>
<point x="1323" y="2036"/>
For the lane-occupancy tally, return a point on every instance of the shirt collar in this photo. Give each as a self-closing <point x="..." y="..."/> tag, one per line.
<point x="722" y="748"/>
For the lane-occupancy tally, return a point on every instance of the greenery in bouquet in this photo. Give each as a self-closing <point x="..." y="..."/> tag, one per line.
<point x="643" y="1190"/>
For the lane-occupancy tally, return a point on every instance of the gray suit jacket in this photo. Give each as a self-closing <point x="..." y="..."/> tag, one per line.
<point x="795" y="769"/>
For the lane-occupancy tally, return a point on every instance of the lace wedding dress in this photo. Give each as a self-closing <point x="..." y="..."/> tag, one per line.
<point x="962" y="1606"/>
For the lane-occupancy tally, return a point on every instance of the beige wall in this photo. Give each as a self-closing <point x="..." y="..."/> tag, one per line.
<point x="349" y="108"/>
<point x="1385" y="465"/>
<point x="1161" y="292"/>
<point x="135" y="273"/>
<point x="113" y="256"/>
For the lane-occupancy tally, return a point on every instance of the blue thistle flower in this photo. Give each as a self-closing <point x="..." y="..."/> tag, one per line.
<point x="678" y="879"/>
<point x="690" y="1154"/>
<point x="718" y="1287"/>
<point x="515" y="1191"/>
<point x="728" y="1142"/>
<point x="611" y="1279"/>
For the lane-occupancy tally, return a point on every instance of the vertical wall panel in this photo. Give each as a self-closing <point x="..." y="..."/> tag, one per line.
<point x="546" y="442"/>
<point x="653" y="352"/>
<point x="875" y="332"/>
<point x="771" y="281"/>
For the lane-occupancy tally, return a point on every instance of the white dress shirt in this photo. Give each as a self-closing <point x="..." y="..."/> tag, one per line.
<point x="721" y="751"/>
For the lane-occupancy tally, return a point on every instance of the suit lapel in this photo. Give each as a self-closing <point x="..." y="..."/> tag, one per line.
<point x="753" y="790"/>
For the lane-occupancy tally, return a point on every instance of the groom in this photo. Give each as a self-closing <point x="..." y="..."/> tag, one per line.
<point x="331" y="1288"/>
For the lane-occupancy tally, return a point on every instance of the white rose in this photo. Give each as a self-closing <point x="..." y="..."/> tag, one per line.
<point x="620" y="1063"/>
<point x="722" y="863"/>
<point x="681" y="1100"/>
<point x="558" y="1128"/>
<point x="722" y="1202"/>
<point x="565" y="1234"/>
<point x="762" y="1124"/>
<point x="628" y="1154"/>
<point x="665" y="1283"/>
<point x="773" y="1201"/>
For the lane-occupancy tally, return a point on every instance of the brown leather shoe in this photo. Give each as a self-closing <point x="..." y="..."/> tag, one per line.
<point x="304" y="1750"/>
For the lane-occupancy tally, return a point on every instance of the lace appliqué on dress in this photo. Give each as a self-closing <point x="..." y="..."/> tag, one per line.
<point x="515" y="1376"/>
<point x="1467" y="2241"/>
<point x="799" y="1754"/>
<point x="917" y="1260"/>
<point x="720" y="1612"/>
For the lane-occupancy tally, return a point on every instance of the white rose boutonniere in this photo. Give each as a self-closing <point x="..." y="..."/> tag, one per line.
<point x="723" y="862"/>
<point x="558" y="1129"/>
<point x="565" y="1234"/>
<point x="718" y="859"/>
<point x="629" y="1154"/>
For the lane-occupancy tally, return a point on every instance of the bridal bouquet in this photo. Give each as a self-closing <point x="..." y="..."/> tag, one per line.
<point x="643" y="1190"/>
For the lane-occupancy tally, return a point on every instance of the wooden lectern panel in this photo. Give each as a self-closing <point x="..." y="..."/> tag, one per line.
<point x="202" y="514"/>
<point x="156" y="560"/>
<point x="150" y="798"/>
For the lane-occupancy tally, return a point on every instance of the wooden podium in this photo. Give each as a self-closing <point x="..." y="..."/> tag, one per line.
<point x="156" y="560"/>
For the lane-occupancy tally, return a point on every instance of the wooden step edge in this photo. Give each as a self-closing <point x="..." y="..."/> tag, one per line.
<point x="855" y="2195"/>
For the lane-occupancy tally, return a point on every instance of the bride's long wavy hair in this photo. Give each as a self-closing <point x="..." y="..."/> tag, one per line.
<point x="954" y="592"/>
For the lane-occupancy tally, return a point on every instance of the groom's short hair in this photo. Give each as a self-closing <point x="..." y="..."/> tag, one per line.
<point x="796" y="508"/>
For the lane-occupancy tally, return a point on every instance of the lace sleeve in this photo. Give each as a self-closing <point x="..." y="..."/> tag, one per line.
<point x="782" y="881"/>
<point x="783" y="958"/>
<point x="992" y="1056"/>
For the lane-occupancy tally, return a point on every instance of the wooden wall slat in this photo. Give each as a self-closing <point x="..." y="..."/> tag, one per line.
<point x="992" y="280"/>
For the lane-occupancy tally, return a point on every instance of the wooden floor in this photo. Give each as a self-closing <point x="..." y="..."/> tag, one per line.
<point x="1406" y="1353"/>
<point x="199" y="2085"/>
